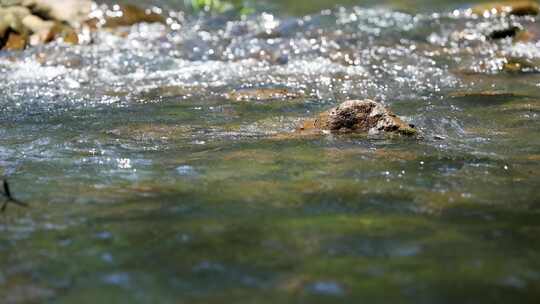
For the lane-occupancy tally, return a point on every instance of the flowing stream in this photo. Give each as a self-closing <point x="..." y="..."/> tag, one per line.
<point x="148" y="182"/>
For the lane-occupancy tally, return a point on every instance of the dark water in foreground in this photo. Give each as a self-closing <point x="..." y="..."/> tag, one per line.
<point x="148" y="185"/>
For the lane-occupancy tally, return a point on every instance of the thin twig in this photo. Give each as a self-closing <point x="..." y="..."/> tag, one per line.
<point x="10" y="198"/>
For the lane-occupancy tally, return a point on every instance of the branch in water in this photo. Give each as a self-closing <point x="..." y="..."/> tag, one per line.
<point x="10" y="198"/>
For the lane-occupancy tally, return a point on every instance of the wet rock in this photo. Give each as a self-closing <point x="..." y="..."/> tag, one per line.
<point x="358" y="116"/>
<point x="127" y="15"/>
<point x="36" y="24"/>
<point x="521" y="64"/>
<point x="19" y="27"/>
<point x="11" y="20"/>
<point x="506" y="32"/>
<point x="67" y="33"/>
<point x="15" y="42"/>
<point x="518" y="8"/>
<point x="42" y="21"/>
<point x="56" y="31"/>
<point x="259" y="94"/>
<point x="41" y="29"/>
<point x="525" y="36"/>
<point x="73" y="12"/>
<point x="70" y="36"/>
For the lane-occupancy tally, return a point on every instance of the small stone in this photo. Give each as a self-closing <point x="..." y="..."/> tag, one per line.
<point x="525" y="36"/>
<point x="508" y="32"/>
<point x="438" y="137"/>
<point x="15" y="42"/>
<point x="358" y="116"/>
<point x="70" y="36"/>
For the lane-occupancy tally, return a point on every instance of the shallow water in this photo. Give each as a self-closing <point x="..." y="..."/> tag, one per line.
<point x="148" y="184"/>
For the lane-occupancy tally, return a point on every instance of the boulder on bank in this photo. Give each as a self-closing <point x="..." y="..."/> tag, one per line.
<point x="358" y="116"/>
<point x="72" y="12"/>
<point x="34" y="22"/>
<point x="13" y="33"/>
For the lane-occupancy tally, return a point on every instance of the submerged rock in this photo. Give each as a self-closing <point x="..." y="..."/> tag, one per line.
<point x="488" y="94"/>
<point x="127" y="15"/>
<point x="358" y="116"/>
<point x="518" y="8"/>
<point x="259" y="94"/>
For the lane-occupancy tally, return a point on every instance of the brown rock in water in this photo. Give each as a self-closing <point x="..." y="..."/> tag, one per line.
<point x="67" y="33"/>
<point x="525" y="36"/>
<point x="15" y="42"/>
<point x="358" y="116"/>
<point x="71" y="37"/>
<point x="128" y="15"/>
<point x="518" y="8"/>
